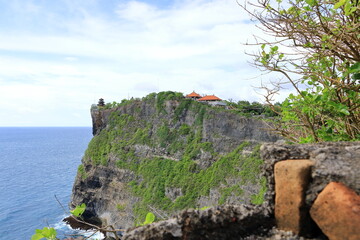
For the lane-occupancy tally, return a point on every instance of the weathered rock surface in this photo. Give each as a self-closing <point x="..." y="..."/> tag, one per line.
<point x="173" y="193"/>
<point x="337" y="212"/>
<point x="99" y="190"/>
<point x="291" y="181"/>
<point x="224" y="129"/>
<point x="224" y="222"/>
<point x="246" y="222"/>
<point x="333" y="161"/>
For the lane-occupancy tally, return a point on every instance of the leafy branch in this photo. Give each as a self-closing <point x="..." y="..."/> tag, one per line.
<point x="316" y="48"/>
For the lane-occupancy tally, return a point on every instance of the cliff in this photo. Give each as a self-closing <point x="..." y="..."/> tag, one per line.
<point x="165" y="153"/>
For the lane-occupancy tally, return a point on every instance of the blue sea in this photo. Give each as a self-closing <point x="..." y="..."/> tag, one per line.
<point x="37" y="163"/>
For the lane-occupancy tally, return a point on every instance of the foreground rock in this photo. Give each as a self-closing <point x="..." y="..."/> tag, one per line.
<point x="328" y="161"/>
<point x="224" y="222"/>
<point x="337" y="212"/>
<point x="291" y="181"/>
<point x="333" y="161"/>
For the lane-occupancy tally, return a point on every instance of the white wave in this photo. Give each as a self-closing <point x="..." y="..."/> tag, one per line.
<point x="65" y="230"/>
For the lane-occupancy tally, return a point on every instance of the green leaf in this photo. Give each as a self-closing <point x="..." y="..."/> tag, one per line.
<point x="329" y="130"/>
<point x="345" y="111"/>
<point x="204" y="208"/>
<point x="274" y="48"/>
<point x="79" y="210"/>
<point x="356" y="76"/>
<point x="317" y="98"/>
<point x="48" y="233"/>
<point x="150" y="218"/>
<point x="339" y="4"/>
<point x="347" y="8"/>
<point x="354" y="68"/>
<point x="37" y="236"/>
<point x="308" y="1"/>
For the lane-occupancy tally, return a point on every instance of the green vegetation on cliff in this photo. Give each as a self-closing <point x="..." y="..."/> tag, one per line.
<point x="159" y="174"/>
<point x="180" y="158"/>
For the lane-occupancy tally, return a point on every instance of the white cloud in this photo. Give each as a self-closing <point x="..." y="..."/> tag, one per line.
<point x="71" y="59"/>
<point x="137" y="11"/>
<point x="134" y="50"/>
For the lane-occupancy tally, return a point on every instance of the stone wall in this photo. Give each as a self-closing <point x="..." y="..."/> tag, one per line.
<point x="333" y="161"/>
<point x="306" y="184"/>
<point x="314" y="182"/>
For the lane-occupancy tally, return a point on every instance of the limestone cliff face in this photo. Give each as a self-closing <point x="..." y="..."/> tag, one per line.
<point x="165" y="153"/>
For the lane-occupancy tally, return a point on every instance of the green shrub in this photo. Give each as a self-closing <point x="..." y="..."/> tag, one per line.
<point x="183" y="106"/>
<point x="184" y="129"/>
<point x="259" y="197"/>
<point x="82" y="172"/>
<point x="158" y="173"/>
<point x="120" y="207"/>
<point x="226" y="192"/>
<point x="162" y="97"/>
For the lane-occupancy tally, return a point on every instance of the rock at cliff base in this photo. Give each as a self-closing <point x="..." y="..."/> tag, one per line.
<point x="337" y="212"/>
<point x="291" y="180"/>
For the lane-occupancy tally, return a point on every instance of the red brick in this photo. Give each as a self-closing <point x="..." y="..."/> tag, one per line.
<point x="291" y="180"/>
<point x="337" y="212"/>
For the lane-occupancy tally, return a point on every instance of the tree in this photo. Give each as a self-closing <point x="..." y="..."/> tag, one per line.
<point x="322" y="64"/>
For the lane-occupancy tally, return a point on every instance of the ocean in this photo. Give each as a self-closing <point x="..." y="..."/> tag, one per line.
<point x="37" y="163"/>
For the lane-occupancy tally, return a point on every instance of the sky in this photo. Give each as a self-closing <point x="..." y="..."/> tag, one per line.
<point x="59" y="57"/>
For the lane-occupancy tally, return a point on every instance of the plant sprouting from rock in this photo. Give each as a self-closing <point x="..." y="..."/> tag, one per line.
<point x="78" y="210"/>
<point x="49" y="233"/>
<point x="46" y="232"/>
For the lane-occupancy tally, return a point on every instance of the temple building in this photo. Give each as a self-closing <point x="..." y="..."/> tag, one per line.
<point x="193" y="95"/>
<point x="209" y="99"/>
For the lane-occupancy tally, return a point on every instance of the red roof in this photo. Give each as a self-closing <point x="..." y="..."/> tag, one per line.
<point x="193" y="95"/>
<point x="210" y="98"/>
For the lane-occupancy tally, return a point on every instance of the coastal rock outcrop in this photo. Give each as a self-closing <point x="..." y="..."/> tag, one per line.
<point x="165" y="153"/>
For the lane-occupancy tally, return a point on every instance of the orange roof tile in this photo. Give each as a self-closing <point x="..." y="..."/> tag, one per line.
<point x="193" y="95"/>
<point x="210" y="98"/>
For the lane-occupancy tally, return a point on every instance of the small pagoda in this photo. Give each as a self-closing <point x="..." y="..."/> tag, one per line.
<point x="193" y="95"/>
<point x="101" y="102"/>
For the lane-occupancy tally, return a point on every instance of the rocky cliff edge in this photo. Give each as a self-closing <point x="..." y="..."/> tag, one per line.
<point x="165" y="153"/>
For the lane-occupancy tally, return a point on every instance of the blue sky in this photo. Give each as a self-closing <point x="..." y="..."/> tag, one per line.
<point x="59" y="57"/>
